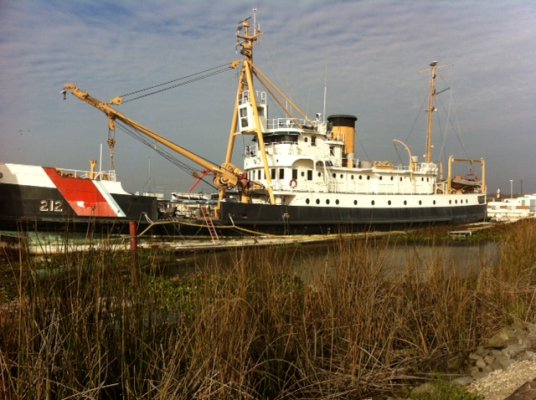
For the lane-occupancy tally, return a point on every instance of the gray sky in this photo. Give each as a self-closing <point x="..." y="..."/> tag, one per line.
<point x="370" y="54"/>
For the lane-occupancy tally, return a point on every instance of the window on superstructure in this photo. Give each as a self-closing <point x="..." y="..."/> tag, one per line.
<point x="302" y="174"/>
<point x="294" y="174"/>
<point x="309" y="174"/>
<point x="259" y="174"/>
<point x="334" y="175"/>
<point x="281" y="173"/>
<point x="272" y="173"/>
<point x="244" y="117"/>
<point x="313" y="141"/>
<point x="331" y="151"/>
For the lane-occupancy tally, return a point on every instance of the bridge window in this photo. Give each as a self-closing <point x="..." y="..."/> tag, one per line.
<point x="309" y="174"/>
<point x="281" y="173"/>
<point x="294" y="174"/>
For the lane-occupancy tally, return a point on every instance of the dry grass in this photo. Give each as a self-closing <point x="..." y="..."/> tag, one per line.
<point x="98" y="326"/>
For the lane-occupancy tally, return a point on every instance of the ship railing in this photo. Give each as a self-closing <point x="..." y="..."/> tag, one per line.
<point x="278" y="123"/>
<point x="109" y="175"/>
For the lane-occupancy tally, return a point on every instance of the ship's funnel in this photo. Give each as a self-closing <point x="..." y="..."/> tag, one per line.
<point x="343" y="128"/>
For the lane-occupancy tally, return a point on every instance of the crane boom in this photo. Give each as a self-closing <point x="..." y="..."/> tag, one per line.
<point x="226" y="176"/>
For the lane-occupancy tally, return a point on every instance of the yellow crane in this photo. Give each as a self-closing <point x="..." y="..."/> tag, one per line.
<point x="226" y="175"/>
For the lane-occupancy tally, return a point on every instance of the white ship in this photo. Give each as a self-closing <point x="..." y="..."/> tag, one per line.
<point x="303" y="175"/>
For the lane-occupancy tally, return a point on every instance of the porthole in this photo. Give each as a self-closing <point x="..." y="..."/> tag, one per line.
<point x="372" y="202"/>
<point x="450" y="201"/>
<point x="360" y="177"/>
<point x="420" y="202"/>
<point x="319" y="174"/>
<point x="455" y="201"/>
<point x="334" y="175"/>
<point x="405" y="202"/>
<point x="307" y="201"/>
<point x="422" y="179"/>
<point x="317" y="201"/>
<point x="388" y="202"/>
<point x="368" y="177"/>
<point x="355" y="202"/>
<point x="327" y="201"/>
<point x="381" y="177"/>
<point x="352" y="177"/>
<point x="400" y="179"/>
<point x="392" y="177"/>
<point x="341" y="176"/>
<point x="434" y="202"/>
<point x="337" y="201"/>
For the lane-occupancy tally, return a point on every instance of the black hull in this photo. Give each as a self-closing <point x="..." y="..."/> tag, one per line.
<point x="322" y="220"/>
<point x="32" y="208"/>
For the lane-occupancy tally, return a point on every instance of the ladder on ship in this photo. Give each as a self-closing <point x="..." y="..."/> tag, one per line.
<point x="210" y="224"/>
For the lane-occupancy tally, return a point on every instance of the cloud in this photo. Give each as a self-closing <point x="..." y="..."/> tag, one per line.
<point x="369" y="53"/>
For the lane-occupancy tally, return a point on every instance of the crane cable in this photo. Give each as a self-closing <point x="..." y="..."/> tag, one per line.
<point x="163" y="152"/>
<point x="180" y="82"/>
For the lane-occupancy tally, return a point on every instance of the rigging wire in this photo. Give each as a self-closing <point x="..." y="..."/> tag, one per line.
<point x="163" y="152"/>
<point x="184" y="80"/>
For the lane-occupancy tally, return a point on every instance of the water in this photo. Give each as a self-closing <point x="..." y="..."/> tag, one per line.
<point x="311" y="262"/>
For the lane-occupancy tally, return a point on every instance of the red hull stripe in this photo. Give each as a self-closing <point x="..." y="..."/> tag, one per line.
<point x="82" y="195"/>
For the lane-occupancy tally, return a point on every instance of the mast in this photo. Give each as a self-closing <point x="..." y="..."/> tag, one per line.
<point x="246" y="39"/>
<point x="431" y="109"/>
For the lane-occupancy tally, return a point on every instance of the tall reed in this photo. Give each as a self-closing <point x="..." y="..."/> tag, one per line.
<point x="251" y="325"/>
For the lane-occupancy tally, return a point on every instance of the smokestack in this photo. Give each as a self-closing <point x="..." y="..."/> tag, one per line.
<point x="343" y="128"/>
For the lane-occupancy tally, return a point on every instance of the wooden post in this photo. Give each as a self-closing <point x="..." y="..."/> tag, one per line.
<point x="133" y="236"/>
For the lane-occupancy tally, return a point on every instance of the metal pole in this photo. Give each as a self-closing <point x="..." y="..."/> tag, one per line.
<point x="511" y="188"/>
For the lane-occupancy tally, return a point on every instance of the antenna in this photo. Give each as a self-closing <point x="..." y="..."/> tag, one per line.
<point x="254" y="19"/>
<point x="325" y="92"/>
